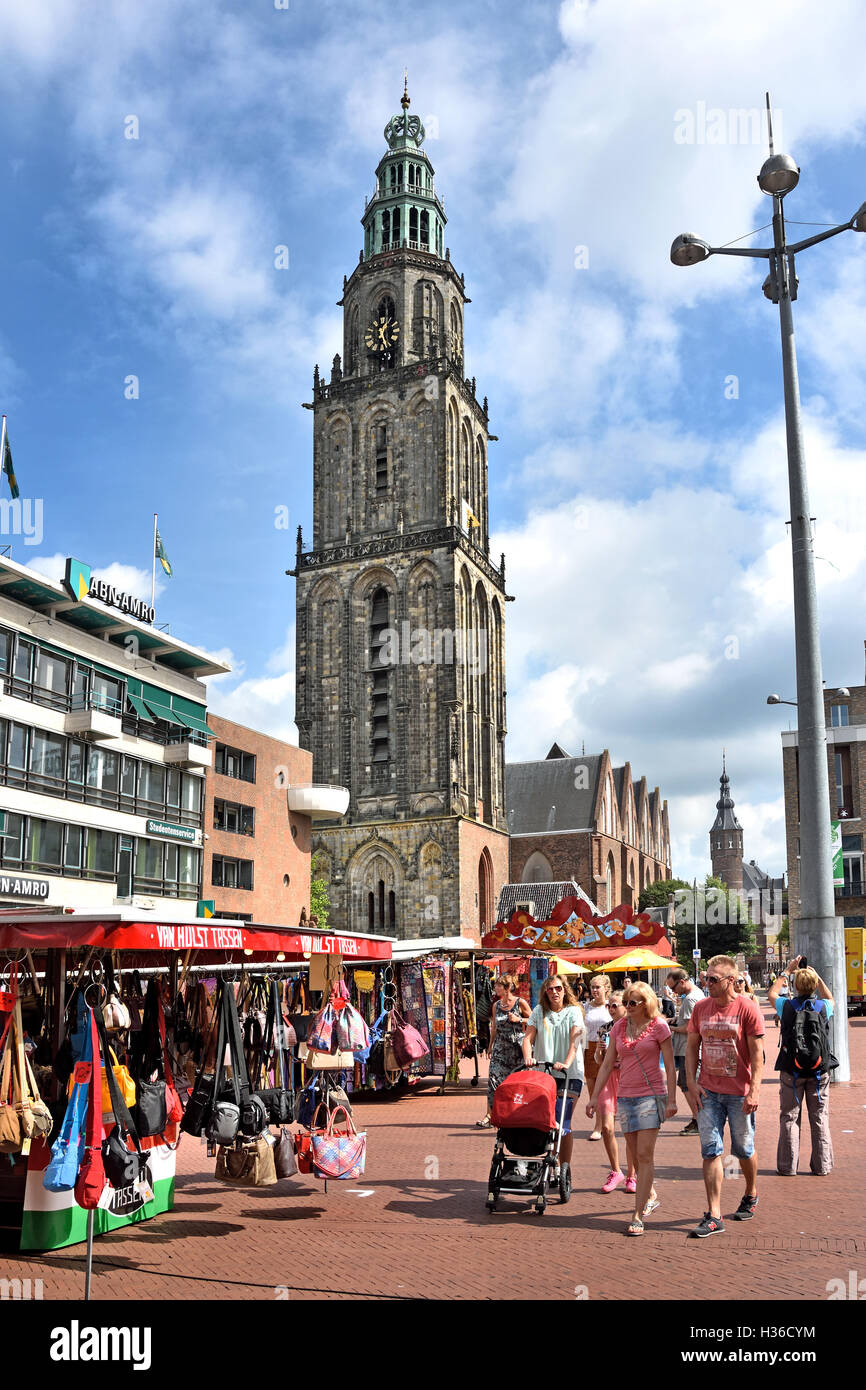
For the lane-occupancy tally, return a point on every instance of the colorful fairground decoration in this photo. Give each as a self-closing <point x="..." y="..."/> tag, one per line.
<point x="572" y="926"/>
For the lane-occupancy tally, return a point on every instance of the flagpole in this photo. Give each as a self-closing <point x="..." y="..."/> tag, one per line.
<point x="153" y="561"/>
<point x="3" y="443"/>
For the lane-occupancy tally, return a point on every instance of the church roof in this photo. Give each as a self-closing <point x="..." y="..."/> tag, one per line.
<point x="555" y="794"/>
<point x="756" y="881"/>
<point x="544" y="895"/>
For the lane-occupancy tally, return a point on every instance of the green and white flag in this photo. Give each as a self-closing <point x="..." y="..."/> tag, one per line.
<point x="7" y="463"/>
<point x="161" y="555"/>
<point x="836" y="850"/>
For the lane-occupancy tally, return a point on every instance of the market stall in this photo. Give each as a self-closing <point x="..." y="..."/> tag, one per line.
<point x="138" y="977"/>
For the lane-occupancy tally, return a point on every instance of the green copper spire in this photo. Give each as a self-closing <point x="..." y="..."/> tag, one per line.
<point x="404" y="212"/>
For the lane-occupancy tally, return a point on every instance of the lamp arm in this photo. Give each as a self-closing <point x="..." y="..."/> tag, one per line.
<point x="822" y="236"/>
<point x="762" y="253"/>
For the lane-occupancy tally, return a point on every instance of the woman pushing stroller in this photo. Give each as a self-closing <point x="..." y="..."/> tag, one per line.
<point x="554" y="1034"/>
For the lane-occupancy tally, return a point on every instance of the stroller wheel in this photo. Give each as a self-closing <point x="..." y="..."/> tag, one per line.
<point x="564" y="1183"/>
<point x="474" y="1081"/>
<point x="491" y="1202"/>
<point x="539" y="1206"/>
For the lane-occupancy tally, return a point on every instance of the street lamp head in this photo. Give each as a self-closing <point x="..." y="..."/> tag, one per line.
<point x="779" y="174"/>
<point x="688" y="250"/>
<point x="843" y="692"/>
<point x="859" y="219"/>
<point x="774" y="699"/>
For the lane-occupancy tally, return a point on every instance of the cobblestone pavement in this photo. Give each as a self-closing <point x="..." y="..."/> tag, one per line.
<point x="416" y="1226"/>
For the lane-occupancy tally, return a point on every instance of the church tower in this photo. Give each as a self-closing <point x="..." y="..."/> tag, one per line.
<point x="400" y="612"/>
<point x="726" y="838"/>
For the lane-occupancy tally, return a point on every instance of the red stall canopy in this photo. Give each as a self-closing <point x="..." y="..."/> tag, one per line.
<point x="124" y="930"/>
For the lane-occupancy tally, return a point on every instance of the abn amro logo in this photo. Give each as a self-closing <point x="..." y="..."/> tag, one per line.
<point x="77" y="579"/>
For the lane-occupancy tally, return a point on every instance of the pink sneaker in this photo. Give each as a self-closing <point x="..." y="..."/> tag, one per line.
<point x="613" y="1182"/>
<point x="631" y="1185"/>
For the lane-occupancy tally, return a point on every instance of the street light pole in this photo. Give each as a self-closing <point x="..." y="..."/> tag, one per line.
<point x="819" y="932"/>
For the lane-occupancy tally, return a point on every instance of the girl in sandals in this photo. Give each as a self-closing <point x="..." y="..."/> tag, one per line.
<point x="640" y="1042"/>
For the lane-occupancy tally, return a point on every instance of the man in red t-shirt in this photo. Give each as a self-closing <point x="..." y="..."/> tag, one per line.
<point x="726" y="1029"/>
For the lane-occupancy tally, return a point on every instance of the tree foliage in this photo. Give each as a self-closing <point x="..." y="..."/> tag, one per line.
<point x="320" y="902"/>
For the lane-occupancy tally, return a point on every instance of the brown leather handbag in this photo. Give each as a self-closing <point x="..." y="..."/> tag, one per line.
<point x="249" y="1164"/>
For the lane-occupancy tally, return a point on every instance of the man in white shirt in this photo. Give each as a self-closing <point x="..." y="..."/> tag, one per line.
<point x="688" y="995"/>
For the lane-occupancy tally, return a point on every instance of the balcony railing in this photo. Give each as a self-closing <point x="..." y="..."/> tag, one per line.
<point x="95" y="699"/>
<point x="187" y="736"/>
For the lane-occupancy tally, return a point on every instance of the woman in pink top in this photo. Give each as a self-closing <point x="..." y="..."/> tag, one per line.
<point x="636" y="1043"/>
<point x="605" y="1108"/>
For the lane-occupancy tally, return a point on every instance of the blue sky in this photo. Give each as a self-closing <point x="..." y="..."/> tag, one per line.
<point x="642" y="510"/>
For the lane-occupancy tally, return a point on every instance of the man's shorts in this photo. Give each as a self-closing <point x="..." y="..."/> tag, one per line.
<point x="681" y="1073"/>
<point x="715" y="1109"/>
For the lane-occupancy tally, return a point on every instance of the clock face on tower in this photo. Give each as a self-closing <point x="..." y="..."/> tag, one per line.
<point x="382" y="334"/>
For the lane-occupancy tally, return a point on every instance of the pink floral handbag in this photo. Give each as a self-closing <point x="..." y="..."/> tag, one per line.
<point x="338" y="1153"/>
<point x="321" y="1037"/>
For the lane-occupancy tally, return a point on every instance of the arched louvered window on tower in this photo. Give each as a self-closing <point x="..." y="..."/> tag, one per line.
<point x="380" y="717"/>
<point x="425" y="230"/>
<point x="395" y="227"/>
<point x="386" y="229"/>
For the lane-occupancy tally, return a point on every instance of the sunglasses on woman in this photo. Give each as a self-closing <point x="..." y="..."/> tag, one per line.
<point x="554" y="989"/>
<point x="634" y="1003"/>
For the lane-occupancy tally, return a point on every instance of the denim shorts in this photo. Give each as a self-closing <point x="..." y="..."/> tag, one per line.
<point x="573" y="1090"/>
<point x="715" y="1109"/>
<point x="640" y="1112"/>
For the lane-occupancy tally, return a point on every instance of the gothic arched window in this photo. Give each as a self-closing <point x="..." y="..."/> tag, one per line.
<point x="386" y="229"/>
<point x="425" y="229"/>
<point x="380" y="730"/>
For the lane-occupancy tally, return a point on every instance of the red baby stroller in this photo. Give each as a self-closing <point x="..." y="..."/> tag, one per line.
<point x="528" y="1136"/>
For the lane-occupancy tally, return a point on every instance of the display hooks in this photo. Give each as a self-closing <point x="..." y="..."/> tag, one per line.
<point x="389" y="989"/>
<point x="230" y="964"/>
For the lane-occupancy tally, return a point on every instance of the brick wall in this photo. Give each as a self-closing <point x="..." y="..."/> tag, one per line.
<point x="584" y="857"/>
<point x="274" y="850"/>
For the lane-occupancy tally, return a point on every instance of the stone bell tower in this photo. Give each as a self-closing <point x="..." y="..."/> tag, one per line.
<point x="726" y="838"/>
<point x="400" y="612"/>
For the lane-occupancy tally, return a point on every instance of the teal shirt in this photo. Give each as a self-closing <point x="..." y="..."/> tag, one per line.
<point x="553" y="1037"/>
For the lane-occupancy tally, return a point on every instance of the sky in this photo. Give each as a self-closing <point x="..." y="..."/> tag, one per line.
<point x="153" y="357"/>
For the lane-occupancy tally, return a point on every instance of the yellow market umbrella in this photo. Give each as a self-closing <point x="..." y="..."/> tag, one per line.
<point x="568" y="967"/>
<point x="641" y="959"/>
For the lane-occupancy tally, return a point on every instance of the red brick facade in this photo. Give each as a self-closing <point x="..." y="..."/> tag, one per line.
<point x="273" y="849"/>
<point x="847" y="801"/>
<point x="631" y="838"/>
<point x="480" y="887"/>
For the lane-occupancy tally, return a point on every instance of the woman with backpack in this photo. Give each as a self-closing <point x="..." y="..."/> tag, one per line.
<point x="804" y="1065"/>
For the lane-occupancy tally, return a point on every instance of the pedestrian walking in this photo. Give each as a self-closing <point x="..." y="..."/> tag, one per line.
<point x="507" y="1026"/>
<point x="597" y="1018"/>
<point x="555" y="1034"/>
<point x="687" y="995"/>
<point x="804" y="1065"/>
<point x="726" y="1030"/>
<point x="641" y="1043"/>
<point x="605" y="1108"/>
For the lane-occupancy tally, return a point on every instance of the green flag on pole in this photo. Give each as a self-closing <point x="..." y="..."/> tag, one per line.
<point x="161" y="555"/>
<point x="7" y="467"/>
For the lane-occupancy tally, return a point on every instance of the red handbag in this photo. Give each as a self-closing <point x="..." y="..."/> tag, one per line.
<point x="91" y="1181"/>
<point x="304" y="1142"/>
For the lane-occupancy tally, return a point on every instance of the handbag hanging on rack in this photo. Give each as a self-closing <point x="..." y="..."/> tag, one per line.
<point x="250" y="1163"/>
<point x="91" y="1181"/>
<point x="67" y="1150"/>
<point x="123" y="1166"/>
<point x="115" y="1014"/>
<point x="279" y="1100"/>
<point x="285" y="1159"/>
<point x="36" y="1118"/>
<point x="11" y="1137"/>
<point x="338" y="1153"/>
<point x="407" y="1043"/>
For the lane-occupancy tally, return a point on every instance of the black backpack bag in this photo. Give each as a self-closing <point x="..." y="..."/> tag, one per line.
<point x="809" y="1047"/>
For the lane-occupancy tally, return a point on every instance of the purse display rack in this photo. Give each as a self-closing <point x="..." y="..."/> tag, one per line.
<point x="234" y="1112"/>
